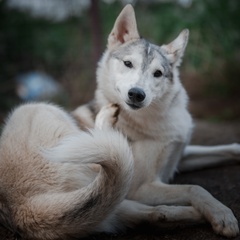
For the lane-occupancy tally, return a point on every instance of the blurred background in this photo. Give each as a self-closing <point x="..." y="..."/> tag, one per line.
<point x="49" y="49"/>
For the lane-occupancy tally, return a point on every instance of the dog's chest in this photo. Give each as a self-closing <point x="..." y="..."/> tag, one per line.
<point x="159" y="129"/>
<point x="134" y="131"/>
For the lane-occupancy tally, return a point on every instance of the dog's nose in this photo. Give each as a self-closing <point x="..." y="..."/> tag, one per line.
<point x="136" y="95"/>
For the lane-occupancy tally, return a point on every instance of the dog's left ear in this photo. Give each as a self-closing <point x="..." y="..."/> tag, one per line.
<point x="125" y="28"/>
<point x="175" y="49"/>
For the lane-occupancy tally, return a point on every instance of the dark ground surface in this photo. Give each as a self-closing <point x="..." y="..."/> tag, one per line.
<point x="222" y="182"/>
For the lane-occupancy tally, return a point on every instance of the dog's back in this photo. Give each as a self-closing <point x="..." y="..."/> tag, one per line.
<point x="48" y="188"/>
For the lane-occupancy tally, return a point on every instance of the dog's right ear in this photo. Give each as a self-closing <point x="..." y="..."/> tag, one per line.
<point x="125" y="28"/>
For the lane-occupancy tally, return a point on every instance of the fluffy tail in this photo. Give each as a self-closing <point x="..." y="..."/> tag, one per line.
<point x="77" y="213"/>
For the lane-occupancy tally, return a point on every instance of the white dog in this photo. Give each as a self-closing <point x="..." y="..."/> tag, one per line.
<point x="143" y="79"/>
<point x="59" y="182"/>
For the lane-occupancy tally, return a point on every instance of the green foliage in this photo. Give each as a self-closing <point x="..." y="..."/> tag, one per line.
<point x="214" y="28"/>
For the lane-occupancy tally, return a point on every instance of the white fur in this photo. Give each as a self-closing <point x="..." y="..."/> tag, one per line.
<point x="57" y="180"/>
<point x="159" y="130"/>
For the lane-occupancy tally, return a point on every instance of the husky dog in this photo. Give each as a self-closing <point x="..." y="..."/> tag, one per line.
<point x="59" y="182"/>
<point x="143" y="79"/>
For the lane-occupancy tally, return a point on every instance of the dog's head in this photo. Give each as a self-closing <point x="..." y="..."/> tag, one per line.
<point x="137" y="71"/>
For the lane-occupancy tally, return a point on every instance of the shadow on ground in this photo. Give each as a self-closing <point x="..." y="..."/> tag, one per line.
<point x="222" y="182"/>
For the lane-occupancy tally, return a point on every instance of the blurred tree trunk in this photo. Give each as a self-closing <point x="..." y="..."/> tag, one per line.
<point x="96" y="30"/>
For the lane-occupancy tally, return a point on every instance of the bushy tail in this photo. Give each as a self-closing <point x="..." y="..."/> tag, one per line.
<point x="78" y="213"/>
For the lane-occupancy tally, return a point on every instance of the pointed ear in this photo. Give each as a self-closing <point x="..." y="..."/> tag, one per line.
<point x="175" y="49"/>
<point x="125" y="28"/>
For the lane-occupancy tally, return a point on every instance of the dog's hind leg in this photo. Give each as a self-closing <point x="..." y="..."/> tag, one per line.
<point x="199" y="157"/>
<point x="107" y="116"/>
<point x="85" y="115"/>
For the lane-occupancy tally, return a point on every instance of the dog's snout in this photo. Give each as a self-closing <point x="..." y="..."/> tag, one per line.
<point x="136" y="95"/>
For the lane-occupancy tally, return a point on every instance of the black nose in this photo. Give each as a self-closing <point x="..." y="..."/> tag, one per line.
<point x="136" y="95"/>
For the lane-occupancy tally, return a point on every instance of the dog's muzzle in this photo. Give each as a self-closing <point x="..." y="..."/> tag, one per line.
<point x="136" y="97"/>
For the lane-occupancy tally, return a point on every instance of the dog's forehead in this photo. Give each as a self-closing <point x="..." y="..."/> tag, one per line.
<point x="153" y="53"/>
<point x="144" y="51"/>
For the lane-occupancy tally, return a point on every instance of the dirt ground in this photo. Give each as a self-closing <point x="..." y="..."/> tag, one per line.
<point x="222" y="182"/>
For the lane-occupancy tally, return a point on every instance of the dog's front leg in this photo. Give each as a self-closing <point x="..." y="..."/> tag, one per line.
<point x="199" y="157"/>
<point x="220" y="217"/>
<point x="130" y="213"/>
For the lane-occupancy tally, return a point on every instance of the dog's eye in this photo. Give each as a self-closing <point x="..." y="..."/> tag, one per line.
<point x="157" y="74"/>
<point x="128" y="64"/>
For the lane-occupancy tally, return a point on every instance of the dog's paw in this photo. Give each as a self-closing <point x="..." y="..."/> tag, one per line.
<point x="115" y="110"/>
<point x="235" y="151"/>
<point x="110" y="113"/>
<point x="107" y="116"/>
<point x="225" y="223"/>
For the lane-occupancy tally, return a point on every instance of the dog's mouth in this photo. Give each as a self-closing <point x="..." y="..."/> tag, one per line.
<point x="134" y="106"/>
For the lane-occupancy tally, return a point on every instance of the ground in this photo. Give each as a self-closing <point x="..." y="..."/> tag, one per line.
<point x="222" y="182"/>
